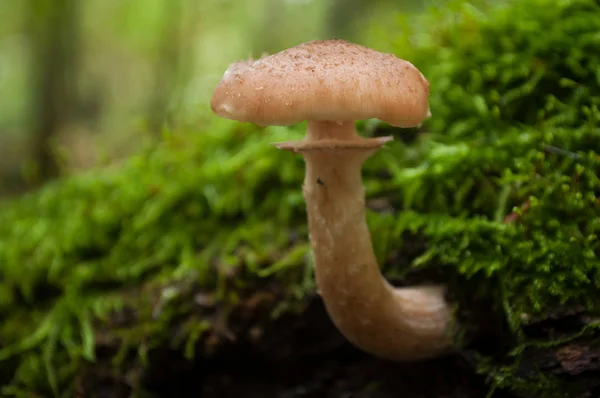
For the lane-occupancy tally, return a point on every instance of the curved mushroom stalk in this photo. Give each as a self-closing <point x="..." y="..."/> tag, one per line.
<point x="338" y="80"/>
<point x="399" y="324"/>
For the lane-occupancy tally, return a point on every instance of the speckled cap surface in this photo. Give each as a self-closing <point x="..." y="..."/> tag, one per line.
<point x="331" y="80"/>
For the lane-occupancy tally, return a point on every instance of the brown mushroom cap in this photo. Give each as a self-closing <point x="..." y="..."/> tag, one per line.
<point x="331" y="80"/>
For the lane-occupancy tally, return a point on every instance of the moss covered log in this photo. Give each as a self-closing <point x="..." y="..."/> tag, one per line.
<point x="498" y="195"/>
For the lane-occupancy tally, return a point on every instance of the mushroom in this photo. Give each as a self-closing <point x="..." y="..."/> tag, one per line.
<point x="330" y="84"/>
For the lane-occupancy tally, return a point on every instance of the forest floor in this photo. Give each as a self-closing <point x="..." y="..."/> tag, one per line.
<point x="297" y="356"/>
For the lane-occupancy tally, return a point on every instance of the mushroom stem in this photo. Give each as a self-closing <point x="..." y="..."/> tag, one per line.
<point x="328" y="130"/>
<point x="398" y="324"/>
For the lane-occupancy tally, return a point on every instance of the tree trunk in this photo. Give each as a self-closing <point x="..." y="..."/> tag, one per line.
<point x="53" y="27"/>
<point x="342" y="17"/>
<point x="168" y="65"/>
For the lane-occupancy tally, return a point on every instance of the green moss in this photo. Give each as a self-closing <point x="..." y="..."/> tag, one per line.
<point x="515" y="97"/>
<point x="216" y="211"/>
<point x="142" y="233"/>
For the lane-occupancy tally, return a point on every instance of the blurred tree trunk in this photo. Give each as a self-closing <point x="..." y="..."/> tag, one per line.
<point x="53" y="29"/>
<point x="268" y="38"/>
<point x="168" y="65"/>
<point x="342" y="17"/>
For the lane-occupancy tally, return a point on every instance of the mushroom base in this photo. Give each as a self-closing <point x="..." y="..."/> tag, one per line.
<point x="398" y="324"/>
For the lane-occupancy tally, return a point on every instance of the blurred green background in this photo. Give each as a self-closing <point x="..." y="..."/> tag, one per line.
<point x="87" y="82"/>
